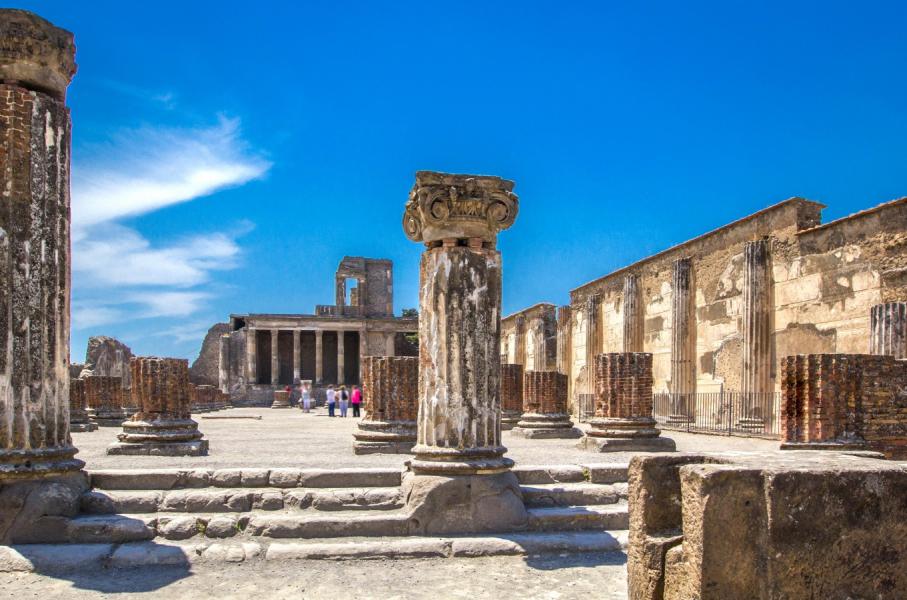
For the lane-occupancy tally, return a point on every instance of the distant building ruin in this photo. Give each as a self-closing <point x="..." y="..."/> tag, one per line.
<point x="265" y="352"/>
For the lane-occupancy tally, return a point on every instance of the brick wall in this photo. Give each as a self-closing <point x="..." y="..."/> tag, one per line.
<point x="845" y="398"/>
<point x="390" y="388"/>
<point x="623" y="384"/>
<point x="103" y="392"/>
<point x="512" y="387"/>
<point x="544" y="392"/>
<point x="160" y="386"/>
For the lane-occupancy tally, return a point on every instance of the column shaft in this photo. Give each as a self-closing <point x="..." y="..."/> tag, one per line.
<point x="888" y="329"/>
<point x="275" y="357"/>
<point x="683" y="337"/>
<point x="297" y="357"/>
<point x="633" y="315"/>
<point x="223" y="367"/>
<point x="319" y="358"/>
<point x="519" y="351"/>
<point x="252" y="355"/>
<point x="341" y="379"/>
<point x="756" y="318"/>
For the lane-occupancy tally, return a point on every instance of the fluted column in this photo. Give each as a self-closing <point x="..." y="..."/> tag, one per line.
<point x="341" y="363"/>
<point x="319" y="357"/>
<point x="275" y="357"/>
<point x="223" y="366"/>
<point x="683" y="341"/>
<point x="593" y="343"/>
<point x="297" y="357"/>
<point x="757" y="351"/>
<point x="162" y="427"/>
<point x="888" y="329"/>
<point x="519" y="341"/>
<point x="37" y="61"/>
<point x="633" y="314"/>
<point x="252" y="355"/>
<point x="390" y="391"/>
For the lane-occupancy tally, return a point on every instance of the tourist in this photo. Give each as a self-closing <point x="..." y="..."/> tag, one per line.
<point x="305" y="395"/>
<point x="356" y="400"/>
<point x="344" y="400"/>
<point x="331" y="400"/>
<point x="289" y="391"/>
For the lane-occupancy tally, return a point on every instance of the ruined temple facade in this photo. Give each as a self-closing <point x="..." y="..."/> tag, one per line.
<point x="529" y="338"/>
<point x="265" y="352"/>
<point x="741" y="298"/>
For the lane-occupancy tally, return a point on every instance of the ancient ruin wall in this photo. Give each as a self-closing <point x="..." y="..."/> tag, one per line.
<point x="109" y="357"/>
<point x="206" y="368"/>
<point x="529" y="337"/>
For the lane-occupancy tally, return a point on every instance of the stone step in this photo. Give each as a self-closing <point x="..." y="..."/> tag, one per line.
<point x="572" y="494"/>
<point x="172" y="479"/>
<point x="593" y="473"/>
<point x="580" y="518"/>
<point x="61" y="558"/>
<point x="210" y="500"/>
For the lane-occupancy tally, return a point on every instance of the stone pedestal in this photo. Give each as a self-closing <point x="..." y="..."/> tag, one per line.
<point x="40" y="478"/>
<point x="460" y="480"/>
<point x="163" y="426"/>
<point x="511" y="395"/>
<point x="105" y="400"/>
<point x="545" y="407"/>
<point x="281" y="399"/>
<point x="390" y="390"/>
<point x="623" y="406"/>
<point x="78" y="408"/>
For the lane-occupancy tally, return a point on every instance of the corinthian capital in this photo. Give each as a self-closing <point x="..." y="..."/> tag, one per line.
<point x="443" y="206"/>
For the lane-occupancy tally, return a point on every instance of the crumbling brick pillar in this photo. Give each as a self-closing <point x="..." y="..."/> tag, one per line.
<point x="163" y="426"/>
<point x="281" y="399"/>
<point x="203" y="398"/>
<point x="545" y="407"/>
<point x="888" y="329"/>
<point x="623" y="407"/>
<point x="634" y="315"/>
<point x="461" y="481"/>
<point x="37" y="61"/>
<point x="390" y="393"/>
<point x="105" y="397"/>
<point x="757" y="341"/>
<point x="78" y="407"/>
<point x="683" y="342"/>
<point x="511" y="395"/>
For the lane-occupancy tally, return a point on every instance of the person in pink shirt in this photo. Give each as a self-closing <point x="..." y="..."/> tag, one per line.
<point x="356" y="400"/>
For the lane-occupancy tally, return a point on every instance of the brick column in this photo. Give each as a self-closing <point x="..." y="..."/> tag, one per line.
<point x="297" y="357"/>
<point x="275" y="357"/>
<point x="319" y="358"/>
<point x="888" y="329"/>
<point x="163" y="426"/>
<point x="37" y="61"/>
<point x="78" y="407"/>
<point x="623" y="407"/>
<point x="462" y="481"/>
<point x="105" y="397"/>
<point x="511" y="395"/>
<point x="545" y="407"/>
<point x="390" y="392"/>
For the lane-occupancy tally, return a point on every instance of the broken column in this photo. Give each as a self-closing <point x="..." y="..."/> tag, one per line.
<point x="105" y="400"/>
<point x="39" y="474"/>
<point x="281" y="399"/>
<point x="390" y="391"/>
<point x="683" y="343"/>
<point x="460" y="480"/>
<point x="888" y="333"/>
<point x="757" y="350"/>
<point x="163" y="426"/>
<point x="545" y="413"/>
<point x="511" y="395"/>
<point x="623" y="406"/>
<point x="78" y="405"/>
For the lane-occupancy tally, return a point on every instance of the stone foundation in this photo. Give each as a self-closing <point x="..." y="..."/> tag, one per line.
<point x="390" y="388"/>
<point x="766" y="525"/>
<point x="623" y="406"/>
<point x="163" y="425"/>
<point x="511" y="395"/>
<point x="545" y="407"/>
<point x="281" y="399"/>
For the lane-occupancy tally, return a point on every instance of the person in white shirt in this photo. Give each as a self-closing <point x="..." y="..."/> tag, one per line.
<point x="331" y="398"/>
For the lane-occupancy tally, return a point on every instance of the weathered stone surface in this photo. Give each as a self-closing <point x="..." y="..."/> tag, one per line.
<point x="163" y="425"/>
<point x="545" y="407"/>
<point x="78" y="407"/>
<point x="109" y="357"/>
<point x="106" y="398"/>
<point x="511" y="395"/>
<point x="802" y="515"/>
<point x="390" y="388"/>
<point x="36" y="55"/>
<point x="205" y="370"/>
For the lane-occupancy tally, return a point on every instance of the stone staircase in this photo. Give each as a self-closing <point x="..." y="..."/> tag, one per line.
<point x="180" y="516"/>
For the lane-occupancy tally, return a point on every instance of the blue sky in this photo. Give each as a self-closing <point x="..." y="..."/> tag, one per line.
<point x="226" y="155"/>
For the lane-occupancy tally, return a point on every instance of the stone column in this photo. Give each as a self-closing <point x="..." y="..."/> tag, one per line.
<point x="252" y="355"/>
<point x="78" y="407"/>
<point x="297" y="357"/>
<point x="757" y="351"/>
<point x="634" y="314"/>
<point x="390" y="391"/>
<point x="319" y="358"/>
<point x="37" y="61"/>
<point x="623" y="406"/>
<point x="545" y="407"/>
<point x="275" y="357"/>
<point x="223" y="366"/>
<point x="390" y="348"/>
<point x="105" y="397"/>
<point x="584" y="395"/>
<point x="683" y="343"/>
<point x="519" y="350"/>
<point x="564" y="359"/>
<point x="163" y="426"/>
<point x="888" y="329"/>
<point x="511" y="395"/>
<point x="461" y="480"/>
<point x="341" y="378"/>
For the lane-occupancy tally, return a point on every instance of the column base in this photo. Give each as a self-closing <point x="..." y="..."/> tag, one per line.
<point x="436" y="460"/>
<point x="82" y="427"/>
<point x="196" y="448"/>
<point x="106" y="417"/>
<point x="36" y="464"/>
<point x="551" y="426"/>
<point x="385" y="437"/>
<point x="160" y="437"/>
<point x="438" y="504"/>
<point x="509" y="419"/>
<point x="280" y="404"/>
<point x="35" y="511"/>
<point x="623" y="427"/>
<point x="641" y="444"/>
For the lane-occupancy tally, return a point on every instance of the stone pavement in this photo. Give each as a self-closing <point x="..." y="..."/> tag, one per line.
<point x="290" y="438"/>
